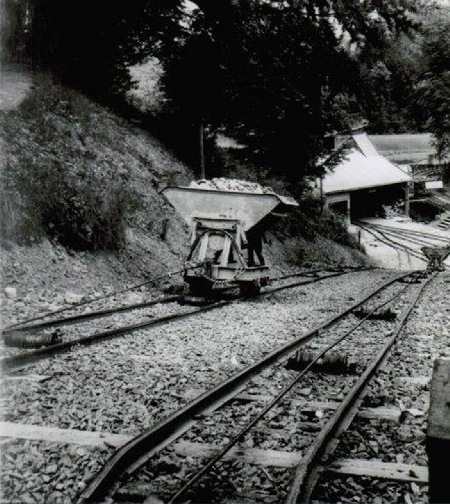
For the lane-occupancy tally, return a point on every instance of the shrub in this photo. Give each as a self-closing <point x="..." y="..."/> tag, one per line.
<point x="311" y="222"/>
<point x="56" y="184"/>
<point x="80" y="211"/>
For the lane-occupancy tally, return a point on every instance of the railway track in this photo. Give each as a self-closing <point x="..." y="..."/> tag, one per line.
<point x="27" y="325"/>
<point x="393" y="242"/>
<point x="408" y="241"/>
<point x="23" y="358"/>
<point x="430" y="238"/>
<point x="415" y="237"/>
<point x="221" y="408"/>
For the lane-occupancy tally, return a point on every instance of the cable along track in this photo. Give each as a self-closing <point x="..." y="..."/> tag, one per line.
<point x="13" y="362"/>
<point x="139" y="451"/>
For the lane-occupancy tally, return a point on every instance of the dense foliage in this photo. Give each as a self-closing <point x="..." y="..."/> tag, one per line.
<point x="434" y="88"/>
<point x="276" y="75"/>
<point x="54" y="182"/>
<point x="89" y="44"/>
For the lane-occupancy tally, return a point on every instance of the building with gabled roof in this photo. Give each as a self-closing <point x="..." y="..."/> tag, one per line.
<point x="364" y="181"/>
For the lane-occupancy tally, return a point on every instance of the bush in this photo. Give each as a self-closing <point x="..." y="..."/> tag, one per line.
<point x="311" y="222"/>
<point x="322" y="252"/>
<point x="56" y="184"/>
<point x="80" y="213"/>
<point x="77" y="210"/>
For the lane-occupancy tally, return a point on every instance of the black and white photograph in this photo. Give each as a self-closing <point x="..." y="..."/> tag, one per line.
<point x="225" y="251"/>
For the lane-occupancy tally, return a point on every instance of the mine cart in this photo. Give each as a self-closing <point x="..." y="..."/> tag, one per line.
<point x="226" y="233"/>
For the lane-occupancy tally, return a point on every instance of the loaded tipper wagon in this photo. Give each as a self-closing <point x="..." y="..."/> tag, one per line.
<point x="226" y="230"/>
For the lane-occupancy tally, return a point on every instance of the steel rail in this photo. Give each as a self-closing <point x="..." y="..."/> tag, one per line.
<point x="276" y="400"/>
<point x="428" y="239"/>
<point x="89" y="301"/>
<point x="407" y="231"/>
<point x="388" y="241"/>
<point x="308" y="471"/>
<point x="409" y="238"/>
<point x="313" y="272"/>
<point x="418" y="240"/>
<point x="101" y="313"/>
<point x="393" y="244"/>
<point x="23" y="359"/>
<point x="274" y="290"/>
<point x="20" y="360"/>
<point x="90" y="315"/>
<point x="412" y="251"/>
<point x="135" y="453"/>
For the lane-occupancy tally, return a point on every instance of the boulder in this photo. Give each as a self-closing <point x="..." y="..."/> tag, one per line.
<point x="10" y="292"/>
<point x="73" y="298"/>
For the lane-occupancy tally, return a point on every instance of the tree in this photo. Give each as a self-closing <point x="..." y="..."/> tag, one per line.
<point x="386" y="90"/>
<point x="90" y="43"/>
<point x="433" y="90"/>
<point x="287" y="72"/>
<point x="276" y="74"/>
<point x="195" y="83"/>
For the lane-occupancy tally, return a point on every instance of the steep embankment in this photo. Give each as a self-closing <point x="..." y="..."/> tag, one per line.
<point x="57" y="137"/>
<point x="58" y="145"/>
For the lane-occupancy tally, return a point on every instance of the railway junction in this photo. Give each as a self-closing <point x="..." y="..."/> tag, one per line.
<point x="312" y="386"/>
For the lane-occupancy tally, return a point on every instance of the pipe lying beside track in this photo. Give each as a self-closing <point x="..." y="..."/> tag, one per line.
<point x="135" y="453"/>
<point x="17" y="361"/>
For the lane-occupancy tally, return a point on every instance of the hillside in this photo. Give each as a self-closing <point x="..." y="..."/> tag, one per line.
<point x="57" y="130"/>
<point x="58" y="138"/>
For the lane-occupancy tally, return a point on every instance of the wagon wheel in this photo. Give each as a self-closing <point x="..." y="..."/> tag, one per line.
<point x="250" y="289"/>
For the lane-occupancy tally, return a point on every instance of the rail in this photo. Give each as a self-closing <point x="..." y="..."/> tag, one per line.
<point x="308" y="472"/>
<point x="134" y="454"/>
<point x="27" y="358"/>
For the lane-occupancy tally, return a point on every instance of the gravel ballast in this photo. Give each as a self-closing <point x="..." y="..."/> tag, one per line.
<point x="126" y="385"/>
<point x="404" y="382"/>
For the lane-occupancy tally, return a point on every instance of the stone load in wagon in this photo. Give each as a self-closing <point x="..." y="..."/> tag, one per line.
<point x="245" y="202"/>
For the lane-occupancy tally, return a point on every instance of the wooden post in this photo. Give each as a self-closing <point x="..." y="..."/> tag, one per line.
<point x="202" y="151"/>
<point x="407" y="199"/>
<point x="438" y="434"/>
<point x="322" y="198"/>
<point x="349" y="209"/>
